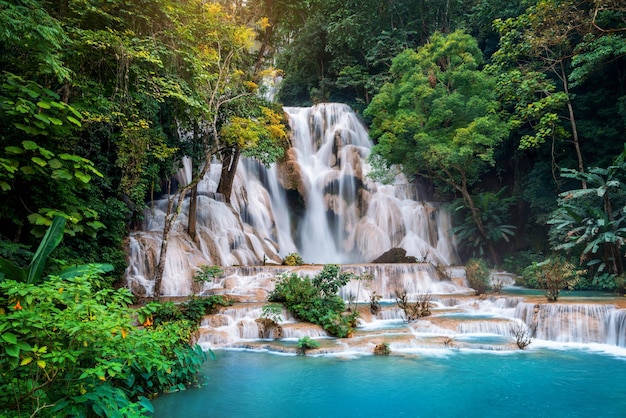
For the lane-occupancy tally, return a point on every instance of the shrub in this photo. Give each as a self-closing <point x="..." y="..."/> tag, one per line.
<point x="477" y="273"/>
<point x="307" y="343"/>
<point x="555" y="274"/>
<point x="413" y="310"/>
<point x="315" y="300"/>
<point x="522" y="334"/>
<point x="193" y="309"/>
<point x="207" y="273"/>
<point x="293" y="259"/>
<point x="70" y="348"/>
<point x="272" y="312"/>
<point x="375" y="307"/>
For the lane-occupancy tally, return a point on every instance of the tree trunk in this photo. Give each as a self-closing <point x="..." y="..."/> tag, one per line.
<point x="572" y="120"/>
<point x="170" y="218"/>
<point x="173" y="210"/>
<point x="191" y="217"/>
<point x="476" y="217"/>
<point x="227" y="177"/>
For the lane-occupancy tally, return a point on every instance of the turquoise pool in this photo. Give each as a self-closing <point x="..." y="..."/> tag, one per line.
<point x="540" y="382"/>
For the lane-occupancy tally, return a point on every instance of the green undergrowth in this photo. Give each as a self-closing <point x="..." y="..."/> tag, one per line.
<point x="76" y="347"/>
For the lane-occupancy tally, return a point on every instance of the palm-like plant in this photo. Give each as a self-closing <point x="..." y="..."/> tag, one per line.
<point x="591" y="222"/>
<point x="494" y="212"/>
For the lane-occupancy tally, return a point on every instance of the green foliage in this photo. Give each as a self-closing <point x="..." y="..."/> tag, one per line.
<point x="438" y="117"/>
<point x="207" y="273"/>
<point x="495" y="215"/>
<point x="31" y="37"/>
<point x="307" y="343"/>
<point x="331" y="279"/>
<point x="293" y="259"/>
<point x="193" y="309"/>
<point x="606" y="281"/>
<point x="70" y="348"/>
<point x="518" y="261"/>
<point x="554" y="275"/>
<point x="315" y="300"/>
<point x="478" y="274"/>
<point x="590" y="223"/>
<point x="33" y="273"/>
<point x="341" y="51"/>
<point x="272" y="311"/>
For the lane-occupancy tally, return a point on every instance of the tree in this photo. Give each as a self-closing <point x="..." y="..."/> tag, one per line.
<point x="495" y="214"/>
<point x="539" y="50"/>
<point x="438" y="118"/>
<point x="555" y="274"/>
<point x="591" y="222"/>
<point x="343" y="49"/>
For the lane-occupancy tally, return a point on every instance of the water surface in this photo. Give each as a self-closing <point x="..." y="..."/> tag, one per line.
<point x="442" y="383"/>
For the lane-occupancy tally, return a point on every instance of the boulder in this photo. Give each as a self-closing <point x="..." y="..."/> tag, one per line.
<point x="394" y="255"/>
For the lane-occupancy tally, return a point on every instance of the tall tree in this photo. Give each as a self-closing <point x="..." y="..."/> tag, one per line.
<point x="438" y="118"/>
<point x="534" y="63"/>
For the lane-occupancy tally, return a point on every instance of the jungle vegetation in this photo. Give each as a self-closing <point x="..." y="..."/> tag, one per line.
<point x="503" y="110"/>
<point x="514" y="113"/>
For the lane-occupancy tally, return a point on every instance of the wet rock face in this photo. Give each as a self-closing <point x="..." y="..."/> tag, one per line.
<point x="394" y="255"/>
<point x="290" y="173"/>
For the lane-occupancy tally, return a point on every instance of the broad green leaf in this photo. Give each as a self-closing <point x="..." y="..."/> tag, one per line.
<point x="12" y="271"/>
<point x="13" y="350"/>
<point x="50" y="241"/>
<point x="62" y="174"/>
<point x="55" y="164"/>
<point x="45" y="153"/>
<point x="74" y="121"/>
<point x="9" y="338"/>
<point x="39" y="161"/>
<point x="85" y="178"/>
<point x="12" y="149"/>
<point x="30" y="145"/>
<point x="42" y="118"/>
<point x="55" y="121"/>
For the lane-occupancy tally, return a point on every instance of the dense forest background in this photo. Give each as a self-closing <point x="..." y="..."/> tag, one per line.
<point x="514" y="113"/>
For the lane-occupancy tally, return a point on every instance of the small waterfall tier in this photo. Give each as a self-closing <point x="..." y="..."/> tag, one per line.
<point x="456" y="321"/>
<point x="575" y="322"/>
<point x="317" y="201"/>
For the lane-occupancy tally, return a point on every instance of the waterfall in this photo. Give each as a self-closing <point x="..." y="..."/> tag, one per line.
<point x="317" y="202"/>
<point x="616" y="328"/>
<point x="567" y="322"/>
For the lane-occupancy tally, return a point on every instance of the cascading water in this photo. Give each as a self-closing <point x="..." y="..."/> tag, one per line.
<point x="317" y="202"/>
<point x="320" y="203"/>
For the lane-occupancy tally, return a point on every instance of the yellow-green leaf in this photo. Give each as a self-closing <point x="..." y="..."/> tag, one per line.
<point x="30" y="145"/>
<point x="39" y="161"/>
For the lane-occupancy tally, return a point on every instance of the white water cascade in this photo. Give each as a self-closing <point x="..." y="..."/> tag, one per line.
<point x="317" y="202"/>
<point x="462" y="321"/>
